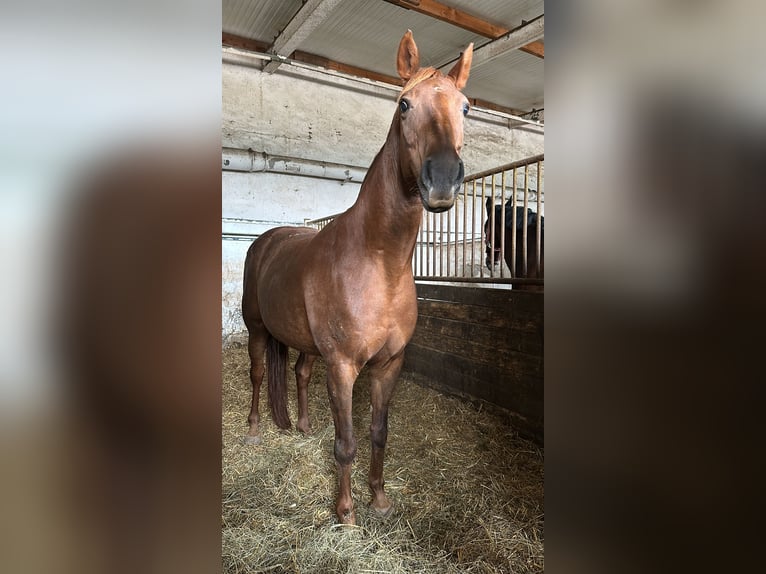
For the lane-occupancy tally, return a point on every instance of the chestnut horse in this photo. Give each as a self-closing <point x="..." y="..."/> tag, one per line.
<point x="347" y="292"/>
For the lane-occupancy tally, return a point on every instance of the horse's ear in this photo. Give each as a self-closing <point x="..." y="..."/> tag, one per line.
<point x="462" y="67"/>
<point x="407" y="60"/>
<point x="489" y="205"/>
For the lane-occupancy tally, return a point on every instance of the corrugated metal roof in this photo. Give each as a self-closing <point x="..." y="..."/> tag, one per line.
<point x="366" y="34"/>
<point x="261" y="20"/>
<point x="508" y="13"/>
<point x="515" y="77"/>
<point x="370" y="33"/>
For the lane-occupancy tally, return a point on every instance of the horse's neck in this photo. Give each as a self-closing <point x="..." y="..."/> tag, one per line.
<point x="387" y="214"/>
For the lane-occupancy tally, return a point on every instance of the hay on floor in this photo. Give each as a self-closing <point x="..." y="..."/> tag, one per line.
<point x="468" y="492"/>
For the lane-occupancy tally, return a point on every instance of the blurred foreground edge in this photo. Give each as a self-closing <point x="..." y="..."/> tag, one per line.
<point x="137" y="330"/>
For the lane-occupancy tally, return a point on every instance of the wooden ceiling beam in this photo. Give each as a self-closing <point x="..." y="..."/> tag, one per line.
<point x="244" y="43"/>
<point x="479" y="103"/>
<point x="466" y="21"/>
<point x="536" y="48"/>
<point x="315" y="60"/>
<point x="453" y="16"/>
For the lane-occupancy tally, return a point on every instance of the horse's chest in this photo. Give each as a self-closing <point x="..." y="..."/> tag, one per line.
<point x="365" y="317"/>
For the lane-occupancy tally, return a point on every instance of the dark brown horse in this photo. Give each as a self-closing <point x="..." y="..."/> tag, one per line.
<point x="512" y="250"/>
<point x="346" y="292"/>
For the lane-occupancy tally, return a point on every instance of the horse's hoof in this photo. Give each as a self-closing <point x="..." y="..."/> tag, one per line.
<point x="348" y="518"/>
<point x="253" y="440"/>
<point x="383" y="513"/>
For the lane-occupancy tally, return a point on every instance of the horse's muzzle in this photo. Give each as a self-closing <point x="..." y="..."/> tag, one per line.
<point x="440" y="179"/>
<point x="489" y="258"/>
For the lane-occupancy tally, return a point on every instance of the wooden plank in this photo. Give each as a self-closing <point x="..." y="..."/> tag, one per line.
<point x="536" y="48"/>
<point x="482" y="296"/>
<point x="478" y="102"/>
<point x="452" y="16"/>
<point x="480" y="352"/>
<point x="520" y="395"/>
<point x="517" y="318"/>
<point x="483" y="343"/>
<point x="519" y="341"/>
<point x="491" y="375"/>
<point x="345" y="68"/>
<point x="244" y="43"/>
<point x="508" y="390"/>
<point x="467" y="21"/>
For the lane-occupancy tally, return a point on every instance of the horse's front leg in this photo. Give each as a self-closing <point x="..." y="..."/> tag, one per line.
<point x="340" y="383"/>
<point x="382" y="383"/>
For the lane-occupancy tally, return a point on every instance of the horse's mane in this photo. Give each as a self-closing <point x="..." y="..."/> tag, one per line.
<point x="420" y="75"/>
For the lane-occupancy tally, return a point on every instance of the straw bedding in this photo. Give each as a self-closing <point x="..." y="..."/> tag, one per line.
<point x="468" y="492"/>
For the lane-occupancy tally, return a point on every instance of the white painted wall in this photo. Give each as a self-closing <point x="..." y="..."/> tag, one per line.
<point x="308" y="114"/>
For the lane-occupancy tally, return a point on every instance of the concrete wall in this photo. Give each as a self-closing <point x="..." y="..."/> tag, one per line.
<point x="307" y="114"/>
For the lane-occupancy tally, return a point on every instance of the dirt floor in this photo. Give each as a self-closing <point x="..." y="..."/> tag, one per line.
<point x="468" y="492"/>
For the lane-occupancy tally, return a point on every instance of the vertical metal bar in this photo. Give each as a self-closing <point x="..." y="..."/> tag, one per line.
<point x="473" y="229"/>
<point x="420" y="260"/>
<point x="502" y="225"/>
<point x="539" y="216"/>
<point x="441" y="242"/>
<point x="513" y="226"/>
<point x="457" y="226"/>
<point x="446" y="240"/>
<point x="465" y="222"/>
<point x="449" y="237"/>
<point x="492" y="229"/>
<point x="428" y="247"/>
<point x="457" y="274"/>
<point x="415" y="253"/>
<point x="433" y="232"/>
<point x="524" y="248"/>
<point x="483" y="203"/>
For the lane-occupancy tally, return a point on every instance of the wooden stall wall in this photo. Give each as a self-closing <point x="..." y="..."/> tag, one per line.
<point x="483" y="343"/>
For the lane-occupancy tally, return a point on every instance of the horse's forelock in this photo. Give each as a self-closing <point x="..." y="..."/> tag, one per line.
<point x="421" y="75"/>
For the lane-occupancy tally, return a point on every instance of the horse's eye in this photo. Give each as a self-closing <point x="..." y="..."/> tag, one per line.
<point x="466" y="107"/>
<point x="404" y="105"/>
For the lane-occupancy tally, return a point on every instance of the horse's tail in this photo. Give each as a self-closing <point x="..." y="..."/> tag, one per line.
<point x="276" y="353"/>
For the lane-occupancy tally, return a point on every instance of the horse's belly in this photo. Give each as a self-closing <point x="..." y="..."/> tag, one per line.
<point x="280" y="297"/>
<point x="286" y="320"/>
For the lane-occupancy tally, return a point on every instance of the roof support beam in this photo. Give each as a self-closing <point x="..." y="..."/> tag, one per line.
<point x="244" y="43"/>
<point x="465" y="20"/>
<point x="306" y="20"/>
<point x="315" y="60"/>
<point x="452" y="16"/>
<point x="536" y="48"/>
<point x="514" y="40"/>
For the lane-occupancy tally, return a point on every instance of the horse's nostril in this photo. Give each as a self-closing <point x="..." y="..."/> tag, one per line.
<point x="426" y="173"/>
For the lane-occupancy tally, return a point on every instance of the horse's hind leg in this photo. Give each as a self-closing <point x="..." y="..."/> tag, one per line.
<point x="303" y="367"/>
<point x="256" y="347"/>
